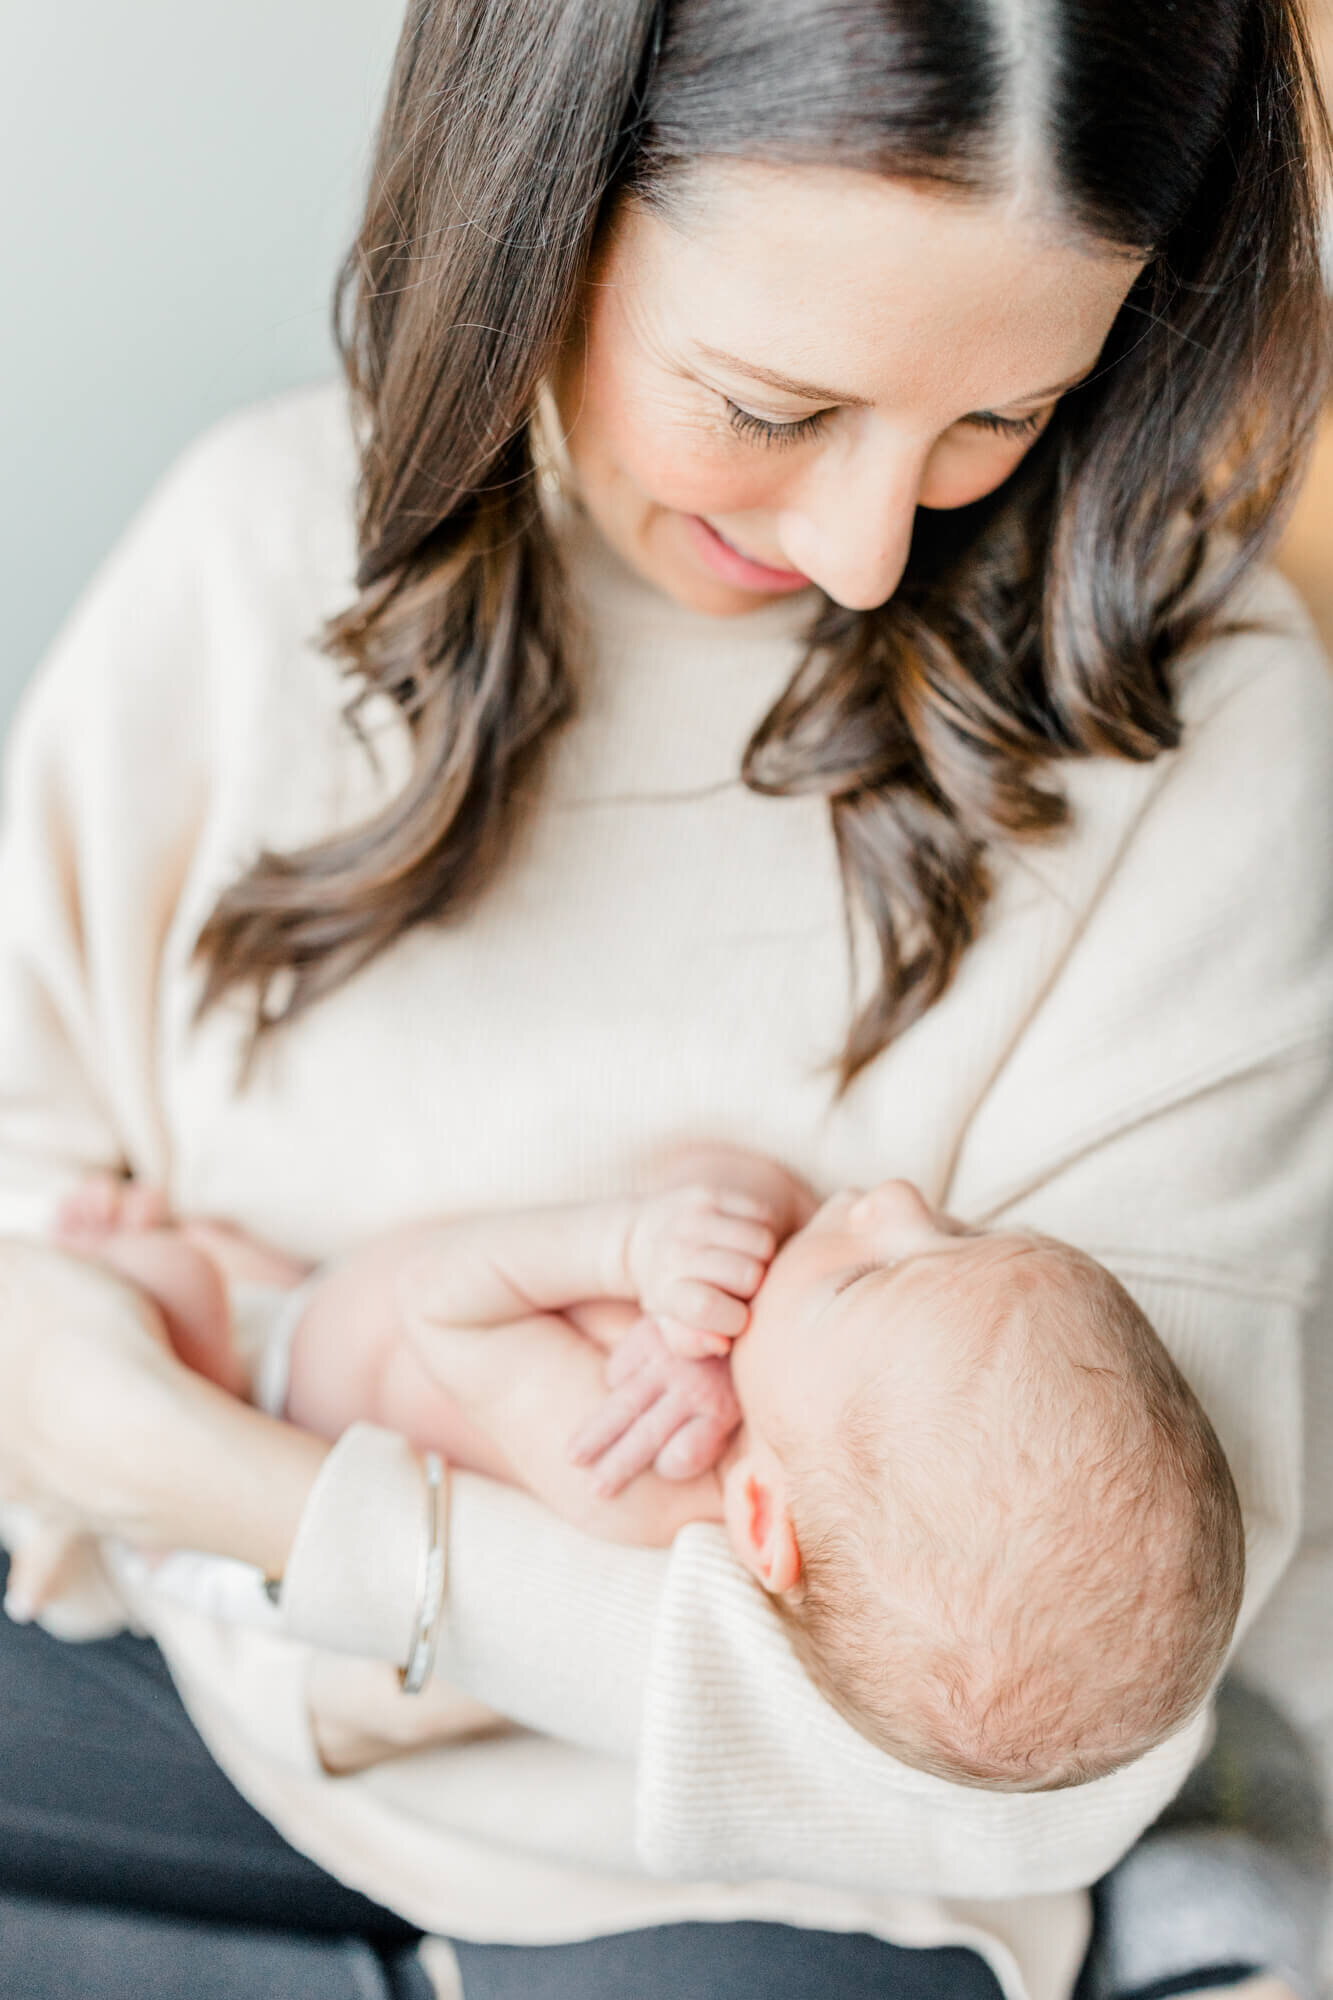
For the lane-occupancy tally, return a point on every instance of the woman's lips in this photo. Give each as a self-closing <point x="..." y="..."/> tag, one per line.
<point x="746" y="574"/>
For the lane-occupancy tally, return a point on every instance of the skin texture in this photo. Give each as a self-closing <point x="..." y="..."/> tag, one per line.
<point x="866" y="1263"/>
<point x="509" y="1355"/>
<point x="930" y="318"/>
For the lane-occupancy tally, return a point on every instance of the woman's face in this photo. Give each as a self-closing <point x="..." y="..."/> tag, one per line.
<point x="767" y="386"/>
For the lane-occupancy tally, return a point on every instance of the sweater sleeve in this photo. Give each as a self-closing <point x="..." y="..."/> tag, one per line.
<point x="117" y="768"/>
<point x="106" y="782"/>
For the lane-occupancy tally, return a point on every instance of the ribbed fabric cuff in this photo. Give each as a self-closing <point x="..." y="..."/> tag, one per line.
<point x="354" y="1578"/>
<point x="545" y="1623"/>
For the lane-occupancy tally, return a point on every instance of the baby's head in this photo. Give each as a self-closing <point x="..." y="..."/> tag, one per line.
<point x="1001" y="1527"/>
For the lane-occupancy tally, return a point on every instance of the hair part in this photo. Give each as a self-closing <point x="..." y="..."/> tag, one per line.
<point x="1040" y="624"/>
<point x="1035" y="1585"/>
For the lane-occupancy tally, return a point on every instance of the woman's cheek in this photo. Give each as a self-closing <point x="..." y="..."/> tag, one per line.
<point x="957" y="473"/>
<point x="696" y="472"/>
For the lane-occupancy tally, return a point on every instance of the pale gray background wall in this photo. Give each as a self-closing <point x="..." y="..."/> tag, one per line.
<point x="177" y="181"/>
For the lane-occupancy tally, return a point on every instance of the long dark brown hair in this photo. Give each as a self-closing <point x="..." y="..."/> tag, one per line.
<point x="1041" y="623"/>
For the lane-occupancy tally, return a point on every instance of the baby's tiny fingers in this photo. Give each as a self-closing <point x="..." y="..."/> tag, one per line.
<point x="696" y="1447"/>
<point x="726" y="1232"/>
<point x="640" y="1445"/>
<point x="703" y="1306"/>
<point x="612" y="1418"/>
<point x="643" y="1343"/>
<point x="689" y="1344"/>
<point x="728" y="1270"/>
<point x="733" y="1203"/>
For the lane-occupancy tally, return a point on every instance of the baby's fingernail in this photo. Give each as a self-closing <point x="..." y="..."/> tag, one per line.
<point x="19" y="1609"/>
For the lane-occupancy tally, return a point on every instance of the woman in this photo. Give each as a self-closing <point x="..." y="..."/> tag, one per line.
<point x="922" y="382"/>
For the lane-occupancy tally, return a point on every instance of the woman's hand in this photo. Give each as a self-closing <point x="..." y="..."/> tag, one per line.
<point x="103" y="1431"/>
<point x="84" y="1370"/>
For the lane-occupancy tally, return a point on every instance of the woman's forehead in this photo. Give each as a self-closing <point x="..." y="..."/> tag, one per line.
<point x="875" y="288"/>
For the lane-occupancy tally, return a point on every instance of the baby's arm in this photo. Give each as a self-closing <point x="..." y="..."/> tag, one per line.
<point x="526" y="1386"/>
<point x="691" y="1252"/>
<point x="665" y="1407"/>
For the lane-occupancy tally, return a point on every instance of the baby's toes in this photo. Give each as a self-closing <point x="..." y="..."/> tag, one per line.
<point x="91" y="1210"/>
<point x="144" y="1207"/>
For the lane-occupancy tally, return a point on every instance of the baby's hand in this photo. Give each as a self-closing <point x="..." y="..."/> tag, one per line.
<point x="693" y="1256"/>
<point x="664" y="1410"/>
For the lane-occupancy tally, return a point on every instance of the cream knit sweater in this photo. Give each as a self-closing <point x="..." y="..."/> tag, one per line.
<point x="1137" y="1056"/>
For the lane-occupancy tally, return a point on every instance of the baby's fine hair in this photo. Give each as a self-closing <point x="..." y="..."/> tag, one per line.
<point x="1038" y="1581"/>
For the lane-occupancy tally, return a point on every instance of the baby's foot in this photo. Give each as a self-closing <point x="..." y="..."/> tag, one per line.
<point x="103" y="1204"/>
<point x="127" y="1226"/>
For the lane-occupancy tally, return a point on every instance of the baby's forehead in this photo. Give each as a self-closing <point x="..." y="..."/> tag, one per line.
<point x="966" y="1301"/>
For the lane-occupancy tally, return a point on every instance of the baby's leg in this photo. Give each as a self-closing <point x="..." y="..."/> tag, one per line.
<point x="126" y="1226"/>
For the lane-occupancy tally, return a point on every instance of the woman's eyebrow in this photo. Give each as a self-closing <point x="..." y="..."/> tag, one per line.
<point x="777" y="380"/>
<point x="812" y="393"/>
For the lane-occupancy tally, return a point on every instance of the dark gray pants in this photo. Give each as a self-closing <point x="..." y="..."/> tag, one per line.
<point x="129" y="1866"/>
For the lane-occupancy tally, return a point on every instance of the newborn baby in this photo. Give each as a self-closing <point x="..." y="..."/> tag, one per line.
<point x="997" y="1522"/>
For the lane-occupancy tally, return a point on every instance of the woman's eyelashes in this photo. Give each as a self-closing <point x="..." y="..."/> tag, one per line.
<point x="1018" y="427"/>
<point x="747" y="425"/>
<point x="764" y="430"/>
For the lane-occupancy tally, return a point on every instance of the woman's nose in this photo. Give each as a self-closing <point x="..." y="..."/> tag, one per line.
<point x="851" y="526"/>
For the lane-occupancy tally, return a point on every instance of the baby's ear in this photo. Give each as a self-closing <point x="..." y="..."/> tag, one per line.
<point x="759" y="1524"/>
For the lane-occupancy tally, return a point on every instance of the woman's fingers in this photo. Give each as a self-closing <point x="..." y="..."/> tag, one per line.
<point x="40" y="1568"/>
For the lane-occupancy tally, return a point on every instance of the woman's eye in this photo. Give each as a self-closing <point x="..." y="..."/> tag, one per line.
<point x="748" y="425"/>
<point x="1017" y="427"/>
